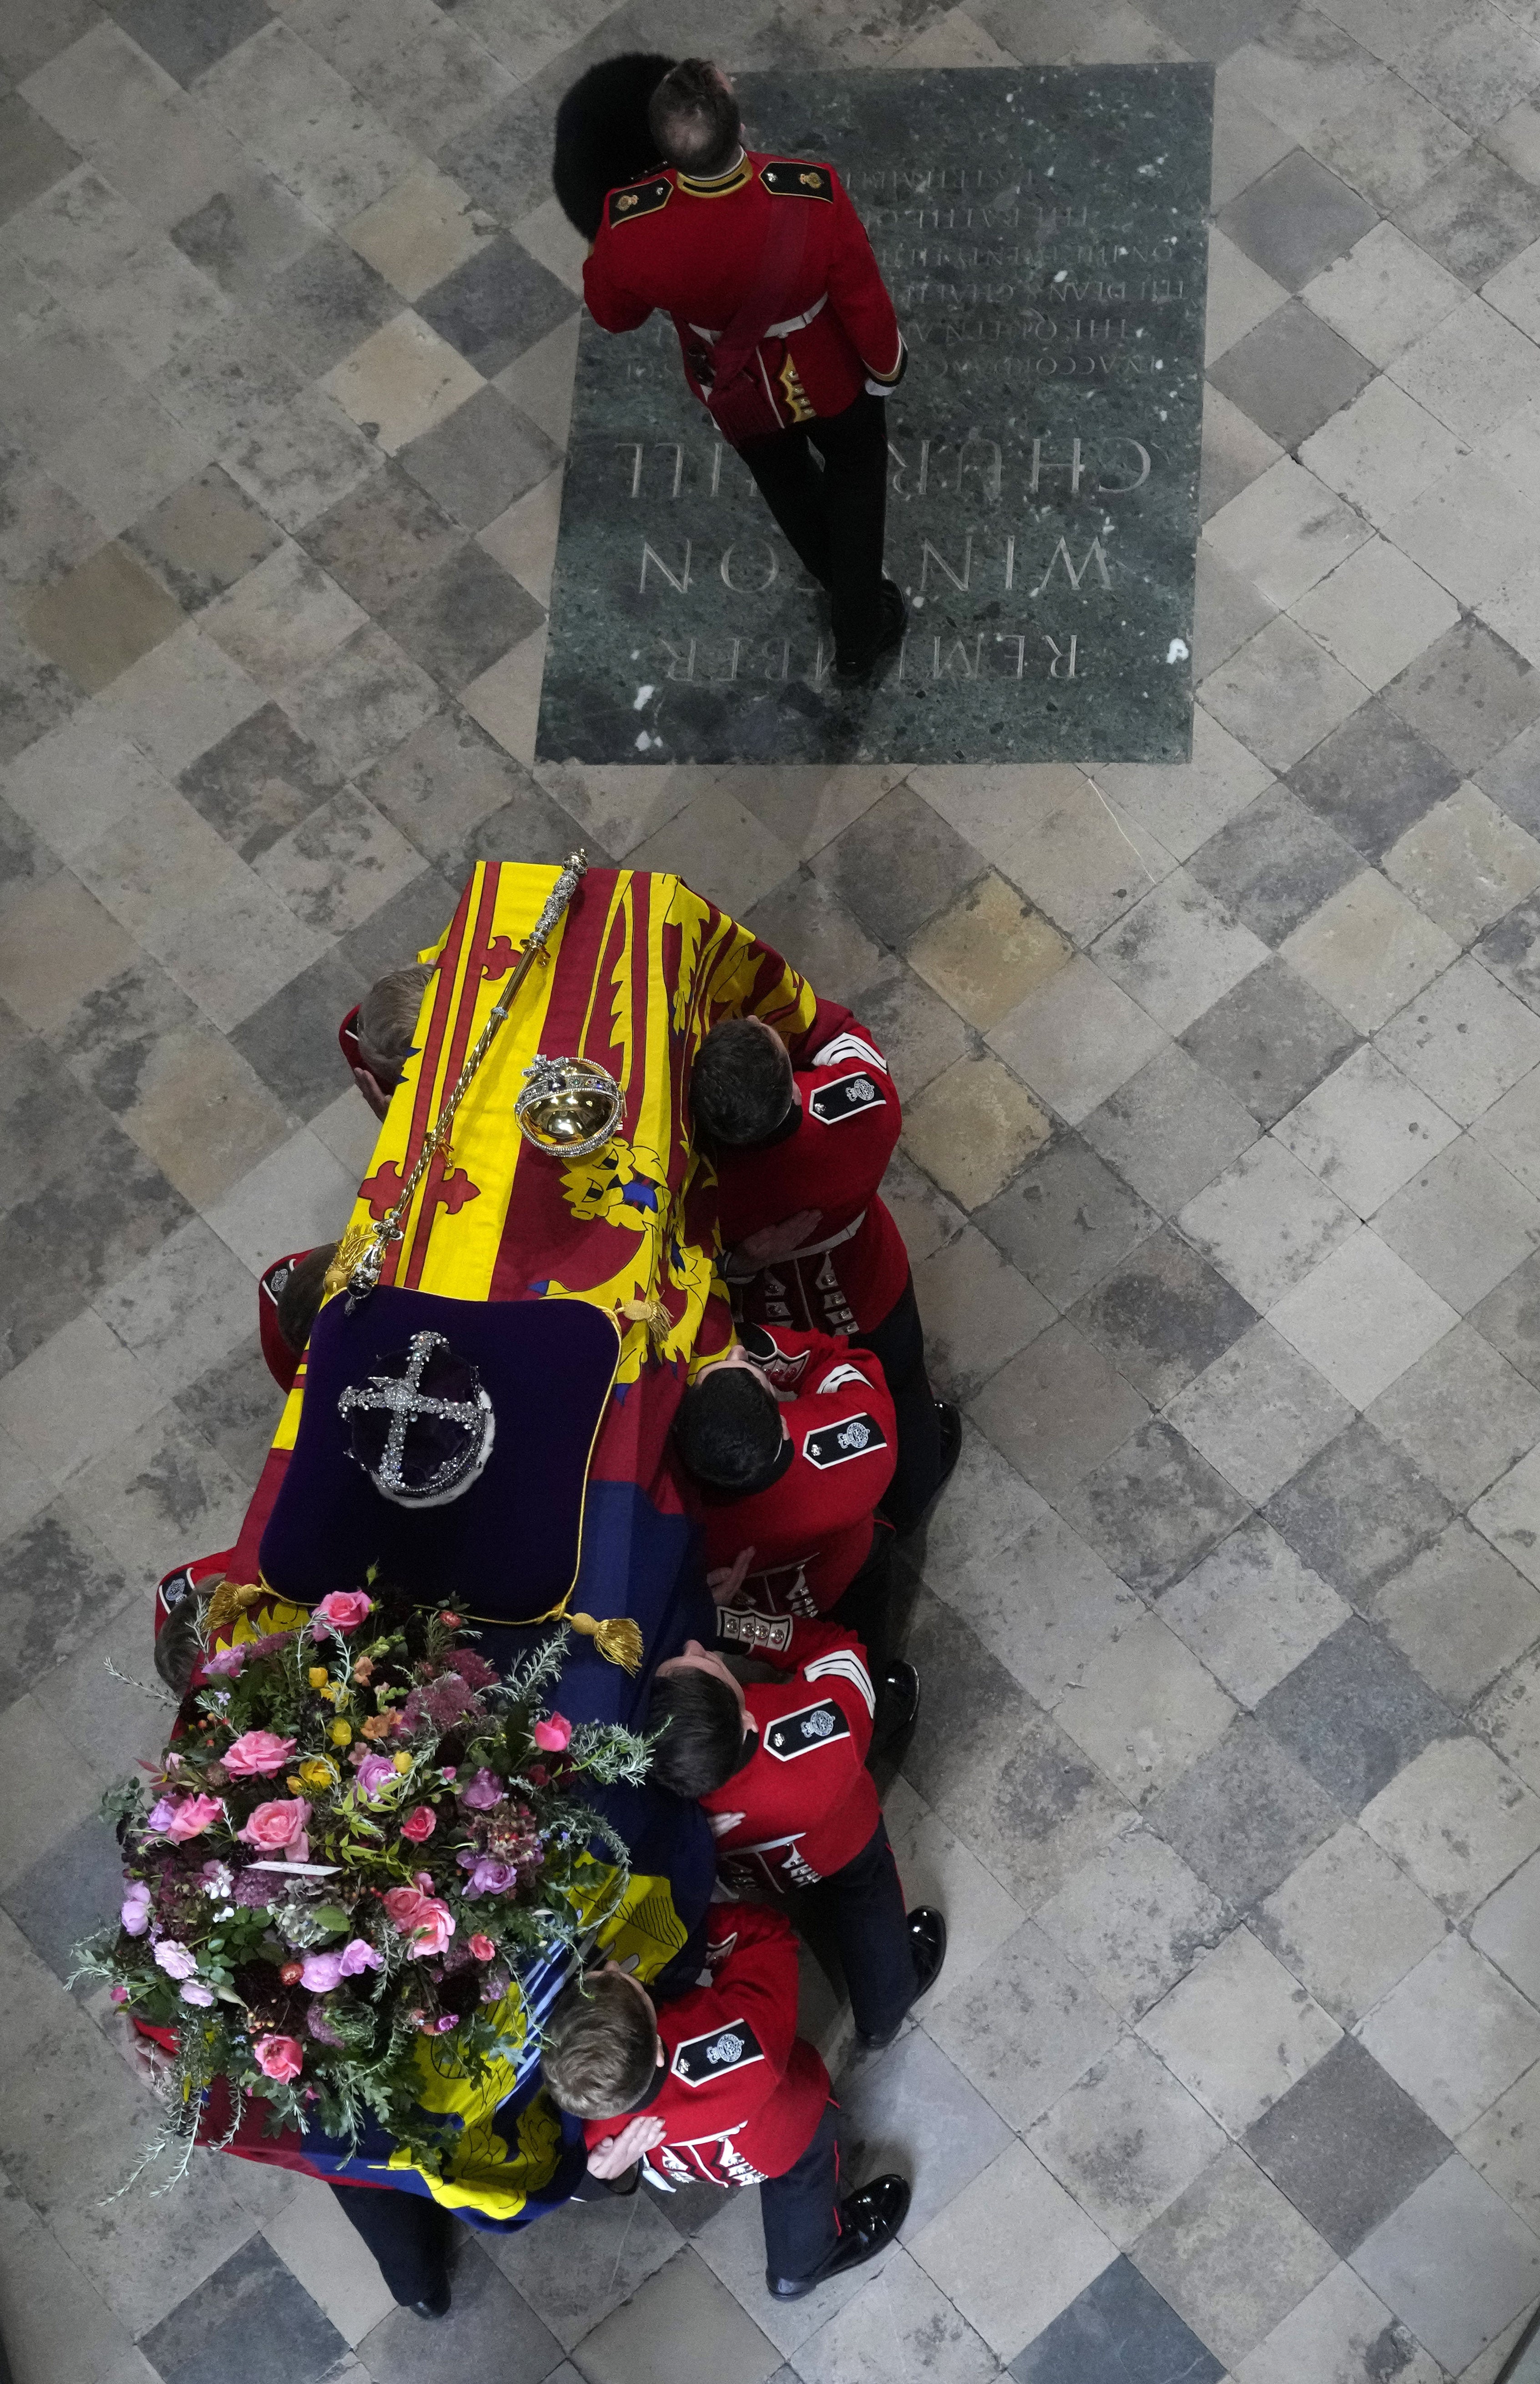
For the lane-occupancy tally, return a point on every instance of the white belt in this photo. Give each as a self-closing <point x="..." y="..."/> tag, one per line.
<point x="772" y="331"/>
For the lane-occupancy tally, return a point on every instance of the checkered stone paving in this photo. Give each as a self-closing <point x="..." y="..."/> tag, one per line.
<point x="1221" y="1175"/>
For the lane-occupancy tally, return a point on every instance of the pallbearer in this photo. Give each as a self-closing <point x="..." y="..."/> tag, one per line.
<point x="789" y="334"/>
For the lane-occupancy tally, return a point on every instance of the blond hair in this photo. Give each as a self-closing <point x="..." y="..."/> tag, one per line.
<point x="600" y="2048"/>
<point x="388" y="1022"/>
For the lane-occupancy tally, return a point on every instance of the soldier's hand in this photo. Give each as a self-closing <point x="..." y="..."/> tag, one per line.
<point x="612" y="2156"/>
<point x="374" y="1093"/>
<point x="725" y="1581"/>
<point x="722" y="1822"/>
<point x="772" y="1242"/>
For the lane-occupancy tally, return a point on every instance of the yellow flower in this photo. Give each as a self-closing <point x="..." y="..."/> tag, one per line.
<point x="342" y="1734"/>
<point x="402" y="1762"/>
<point x="317" y="1676"/>
<point x="293" y="1783"/>
<point x="318" y="1772"/>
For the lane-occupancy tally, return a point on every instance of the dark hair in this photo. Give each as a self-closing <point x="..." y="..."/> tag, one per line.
<point x="299" y="1302"/>
<point x="599" y="2048"/>
<point x="694" y="117"/>
<point x="730" y="1430"/>
<point x="703" y="1727"/>
<point x="741" y="1087"/>
<point x="602" y="135"/>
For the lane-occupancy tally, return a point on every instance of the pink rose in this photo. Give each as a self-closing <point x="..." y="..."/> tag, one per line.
<point x="552" y="1735"/>
<point x="374" y="1772"/>
<point x="137" y="1905"/>
<point x="277" y="1828"/>
<point x="344" y="1609"/>
<point x="257" y="1754"/>
<point x="425" y="1923"/>
<point x="482" y="1947"/>
<point x="192" y="1992"/>
<point x="176" y="1961"/>
<point x="225" y="1663"/>
<point x="279" y="2056"/>
<point x="193" y="1816"/>
<point x="420" y="1824"/>
<point x="119" y="1994"/>
<point x="485" y="1790"/>
<point x="320" y="1972"/>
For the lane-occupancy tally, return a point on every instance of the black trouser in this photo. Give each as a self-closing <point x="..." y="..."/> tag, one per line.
<point x="899" y="1342"/>
<point x="408" y="2235"/>
<point x="862" y="1606"/>
<point x="800" y="2211"/>
<point x="864" y="1906"/>
<point x="833" y="518"/>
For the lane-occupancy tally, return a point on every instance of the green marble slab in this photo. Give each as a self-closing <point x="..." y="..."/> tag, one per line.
<point x="1042" y="232"/>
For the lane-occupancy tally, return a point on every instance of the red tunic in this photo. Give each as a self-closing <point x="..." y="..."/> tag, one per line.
<point x="812" y="1528"/>
<point x="804" y="1804"/>
<point x="743" y="2093"/>
<point x="283" y="1364"/>
<point x="694" y="249"/>
<point x="855" y="1265"/>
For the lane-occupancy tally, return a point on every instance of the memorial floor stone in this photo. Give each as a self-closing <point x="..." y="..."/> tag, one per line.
<point x="1042" y="234"/>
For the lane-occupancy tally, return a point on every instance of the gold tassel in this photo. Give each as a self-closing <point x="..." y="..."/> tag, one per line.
<point x="617" y="1639"/>
<point x="350" y="1250"/>
<point x="231" y="1599"/>
<point x="653" y="1314"/>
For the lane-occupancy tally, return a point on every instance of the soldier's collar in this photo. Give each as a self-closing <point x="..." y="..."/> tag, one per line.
<point x="719" y="185"/>
<point x="649" y="2093"/>
<point x="782" y="1133"/>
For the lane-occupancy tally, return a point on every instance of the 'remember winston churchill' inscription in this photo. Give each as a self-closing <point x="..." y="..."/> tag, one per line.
<point x="1042" y="234"/>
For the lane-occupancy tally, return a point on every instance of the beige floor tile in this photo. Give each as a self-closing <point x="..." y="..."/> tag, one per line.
<point x="1284" y="532"/>
<point x="1238" y="2032"/>
<point x="127" y="459"/>
<point x="554" y="242"/>
<point x="978" y="1312"/>
<point x="1500" y="2146"/>
<point x="157" y="863"/>
<point x="1516" y="139"/>
<point x="1144" y="1708"/>
<point x="1177" y="951"/>
<point x="77" y="1396"/>
<point x="1368" y="950"/>
<point x="524" y="537"/>
<point x="1046" y="828"/>
<point x="330" y="2259"/>
<point x="1473" y="369"/>
<point x="1382" y="452"/>
<point x="971" y="1128"/>
<point x="281" y="618"/>
<point x="1240" y="296"/>
<point x="684" y="2327"/>
<point x="1376" y="613"/>
<point x="540" y="381"/>
<point x="56" y="2323"/>
<point x="1281" y="694"/>
<point x="1182" y="804"/>
<point x="1366" y="1130"/>
<point x="1470" y="529"/>
<point x="1465" y="1039"/>
<point x="1458" y="1820"/>
<point x="177" y="700"/>
<point x="300" y="1195"/>
<point x="973" y="2250"/>
<point x="1509" y="1515"/>
<point x="718" y="845"/>
<point x="1465" y="863"/>
<point x="1362" y="1317"/>
<point x="337" y="867"/>
<point x="1076" y="1040"/>
<point x="988" y="952"/>
<point x="58" y="944"/>
<point x="236" y="949"/>
<point x="938" y="1868"/>
<point x="506" y="699"/>
<point x="307" y="126"/>
<point x="1309" y="74"/>
<point x="1391" y="146"/>
<point x="419" y="231"/>
<point x="101" y="618"/>
<point x="1266" y="1222"/>
<point x="1339" y="2331"/>
<point x="402" y="380"/>
<point x="953" y="41"/>
<point x="1454" y="2033"/>
<point x="1383" y="293"/>
<point x="1350" y="1923"/>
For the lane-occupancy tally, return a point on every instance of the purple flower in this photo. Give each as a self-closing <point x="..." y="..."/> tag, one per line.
<point x="251" y="1888"/>
<point x="137" y="1902"/>
<point x="226" y="1663"/>
<point x="489" y="1877"/>
<point x="374" y="1771"/>
<point x="161" y="1814"/>
<point x="321" y="1972"/>
<point x="485" y="1790"/>
<point x="359" y="1955"/>
<point x="318" y="2026"/>
<point x="192" y="1993"/>
<point x="176" y="1961"/>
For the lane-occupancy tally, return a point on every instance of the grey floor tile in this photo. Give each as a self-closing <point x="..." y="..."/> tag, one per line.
<point x="1454" y="2262"/>
<point x="326" y="304"/>
<point x="460" y="619"/>
<point x="1463" y="1223"/>
<point x="292" y="1039"/>
<point x="1260" y="1413"/>
<point x="60" y="1898"/>
<point x="1474" y="216"/>
<point x="1252" y="1610"/>
<point x="1269" y="1040"/>
<point x="1117" y="2331"/>
<point x="1023" y="2027"/>
<point x="383" y="539"/>
<point x="1509" y="1318"/>
<point x="477" y="461"/>
<point x="1296" y="219"/>
<point x="1346" y="2145"/>
<point x="1056" y="1408"/>
<point x="1231" y="2256"/>
<point x="1348" y="1923"/>
<point x="491" y="2331"/>
<point x="1461" y="1613"/>
<point x="185" y="36"/>
<point x="1245" y="1815"/>
<point x="1513" y="777"/>
<point x="1373" y="779"/>
<point x="1154" y="1508"/>
<point x="1291" y="373"/>
<point x="911" y="2108"/>
<point x="259" y="782"/>
<point x="1162" y="1316"/>
<point x="1066" y="1220"/>
<point x="236" y="1404"/>
<point x="1462" y="1414"/>
<point x="1134" y="1919"/>
<point x="1470" y="693"/>
<point x="1354" y="1712"/>
<point x="1137" y="1130"/>
<point x="1358" y="1512"/>
<point x="496" y="304"/>
<point x="253" y="2314"/>
<point x="35" y="155"/>
<point x="899" y="866"/>
<point x="202" y="538"/>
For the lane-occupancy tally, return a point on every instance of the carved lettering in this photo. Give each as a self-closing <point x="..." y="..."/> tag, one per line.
<point x="1001" y="638"/>
<point x="753" y="586"/>
<point x="1063" y="665"/>
<point x="1125" y="488"/>
<point x="650" y="554"/>
<point x="957" y="653"/>
<point x="930" y="555"/>
<point x="1096" y="557"/>
<point x="678" y="656"/>
<point x="1073" y="468"/>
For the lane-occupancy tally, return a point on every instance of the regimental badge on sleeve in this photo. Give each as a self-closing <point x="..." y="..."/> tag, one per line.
<point x="847" y="1097"/>
<point x="804" y="1732"/>
<point x="698" y="2059"/>
<point x="641" y="199"/>
<point x="836" y="1444"/>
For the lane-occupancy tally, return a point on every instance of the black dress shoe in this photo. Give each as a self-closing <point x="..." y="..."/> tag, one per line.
<point x="927" y="1944"/>
<point x="897" y="1703"/>
<point x="869" y="2219"/>
<point x="951" y="1421"/>
<point x="435" y="2301"/>
<point x="892" y="621"/>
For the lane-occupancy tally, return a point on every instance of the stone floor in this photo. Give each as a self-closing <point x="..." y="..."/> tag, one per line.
<point x="1221" y="1172"/>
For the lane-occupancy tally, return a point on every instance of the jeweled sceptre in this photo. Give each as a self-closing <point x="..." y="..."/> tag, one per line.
<point x="358" y="1267"/>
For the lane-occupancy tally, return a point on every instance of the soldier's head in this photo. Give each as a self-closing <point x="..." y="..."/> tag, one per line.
<point x="742" y="1088"/>
<point x="387" y="1023"/>
<point x="299" y="1302"/>
<point x="694" y="118"/>
<point x="730" y="1430"/>
<point x="698" y="1706"/>
<point x="600" y="2046"/>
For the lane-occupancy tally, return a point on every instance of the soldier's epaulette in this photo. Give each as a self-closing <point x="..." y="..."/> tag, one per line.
<point x="641" y="199"/>
<point x="792" y="178"/>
